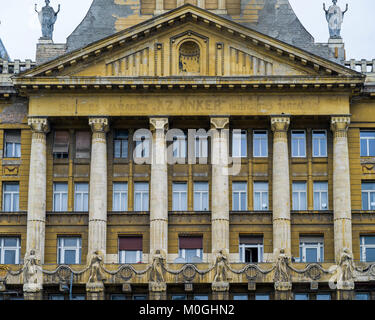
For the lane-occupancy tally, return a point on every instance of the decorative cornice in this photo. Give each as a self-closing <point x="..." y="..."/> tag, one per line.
<point x="280" y="123"/>
<point x="39" y="125"/>
<point x="340" y="123"/>
<point x="99" y="124"/>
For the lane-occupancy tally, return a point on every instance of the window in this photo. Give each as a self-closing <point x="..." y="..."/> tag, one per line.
<point x="299" y="196"/>
<point x="201" y="146"/>
<point x="142" y="147"/>
<point x="240" y="297"/>
<point x="298" y="144"/>
<point x="11" y="195"/>
<point x="368" y="196"/>
<point x="130" y="249"/>
<point x="239" y="143"/>
<point x="319" y="143"/>
<point x="368" y="248"/>
<point x="69" y="250"/>
<point x="120" y="196"/>
<point x="191" y="249"/>
<point x="61" y="145"/>
<point x="323" y="296"/>
<point x="362" y="296"/>
<point x="200" y="297"/>
<point x="60" y="196"/>
<point x="320" y="195"/>
<point x="179" y="146"/>
<point x="251" y="249"/>
<point x="239" y="196"/>
<point x="81" y="197"/>
<point x="120" y="143"/>
<point x="311" y="249"/>
<point x="141" y="196"/>
<point x="178" y="297"/>
<point x="301" y="296"/>
<point x="262" y="296"/>
<point x="118" y="297"/>
<point x="260" y="196"/>
<point x="179" y="199"/>
<point x="56" y="297"/>
<point x="12" y="143"/>
<point x="78" y="297"/>
<point x="83" y="144"/>
<point x="201" y="196"/>
<point x="10" y="250"/>
<point x="260" y="143"/>
<point x="367" y="143"/>
<point x="139" y="297"/>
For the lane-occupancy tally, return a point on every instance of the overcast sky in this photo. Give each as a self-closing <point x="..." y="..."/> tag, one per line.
<point x="20" y="28"/>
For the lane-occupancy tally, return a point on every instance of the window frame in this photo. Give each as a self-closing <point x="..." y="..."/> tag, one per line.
<point x="320" y="196"/>
<point x="299" y="195"/>
<point x="242" y="251"/>
<point x="182" y="254"/>
<point x="326" y="144"/>
<point x="61" y="248"/>
<point x="15" y="151"/>
<point x="293" y="132"/>
<point x="122" y="141"/>
<point x="364" y="246"/>
<point x="12" y="196"/>
<point x="142" y="193"/>
<point x="82" y="193"/>
<point x="16" y="248"/>
<point x="60" y="193"/>
<point x="240" y="195"/>
<point x="262" y="194"/>
<point x="201" y="146"/>
<point x="368" y="153"/>
<point x="122" y="256"/>
<point x="120" y="193"/>
<point x="179" y="146"/>
<point x="318" y="246"/>
<point x="198" y="195"/>
<point x="240" y="152"/>
<point x="368" y="192"/>
<point x="180" y="206"/>
<point x="260" y="145"/>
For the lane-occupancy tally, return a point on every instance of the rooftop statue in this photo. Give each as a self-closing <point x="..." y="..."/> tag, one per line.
<point x="335" y="17"/>
<point x="47" y="17"/>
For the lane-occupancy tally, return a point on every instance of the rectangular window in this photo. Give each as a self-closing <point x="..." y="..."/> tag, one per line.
<point x="83" y="144"/>
<point x="299" y="195"/>
<point x="10" y="250"/>
<point x="191" y="249"/>
<point x="139" y="297"/>
<point x="201" y="194"/>
<point x="178" y="297"/>
<point x="239" y="143"/>
<point x="262" y="296"/>
<point x="298" y="144"/>
<point x="179" y="198"/>
<point x="311" y="249"/>
<point x="179" y="146"/>
<point x="201" y="146"/>
<point x="12" y="143"/>
<point x="367" y="143"/>
<point x="260" y="196"/>
<point x="323" y="296"/>
<point x="141" y="196"/>
<point x="69" y="250"/>
<point x="61" y="145"/>
<point x="60" y="196"/>
<point x="120" y="196"/>
<point x="368" y="248"/>
<point x="362" y="296"/>
<point x="301" y="296"/>
<point x="200" y="297"/>
<point x="251" y="249"/>
<point x="56" y="297"/>
<point x="240" y="297"/>
<point x="11" y="196"/>
<point x="81" y="197"/>
<point x="142" y="148"/>
<point x="319" y="143"/>
<point x="320" y="195"/>
<point x="239" y="196"/>
<point x="260" y="143"/>
<point x="120" y="143"/>
<point x="368" y="196"/>
<point x="118" y="297"/>
<point x="130" y="249"/>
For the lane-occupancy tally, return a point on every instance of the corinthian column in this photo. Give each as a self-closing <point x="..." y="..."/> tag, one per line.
<point x="98" y="188"/>
<point x="280" y="185"/>
<point x="220" y="186"/>
<point x="159" y="188"/>
<point x="341" y="186"/>
<point x="36" y="208"/>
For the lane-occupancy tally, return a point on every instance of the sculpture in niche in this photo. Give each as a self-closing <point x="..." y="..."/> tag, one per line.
<point x="281" y="269"/>
<point x="95" y="268"/>
<point x="221" y="267"/>
<point x="335" y="18"/>
<point x="346" y="266"/>
<point x="157" y="267"/>
<point x="189" y="58"/>
<point x="47" y="17"/>
<point x="30" y="270"/>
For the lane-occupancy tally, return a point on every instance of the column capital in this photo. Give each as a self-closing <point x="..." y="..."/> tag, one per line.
<point x="340" y="123"/>
<point x="158" y="124"/>
<point x="280" y="123"/>
<point x="219" y="122"/>
<point x="99" y="124"/>
<point x="38" y="125"/>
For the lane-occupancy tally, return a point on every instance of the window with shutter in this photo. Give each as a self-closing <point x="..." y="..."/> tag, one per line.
<point x="130" y="249"/>
<point x="61" y="145"/>
<point x="83" y="144"/>
<point x="12" y="143"/>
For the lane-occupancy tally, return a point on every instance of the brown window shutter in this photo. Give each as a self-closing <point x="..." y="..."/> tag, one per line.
<point x="130" y="243"/>
<point x="191" y="242"/>
<point x="83" y="139"/>
<point x="61" y="142"/>
<point x="251" y="239"/>
<point x="13" y="136"/>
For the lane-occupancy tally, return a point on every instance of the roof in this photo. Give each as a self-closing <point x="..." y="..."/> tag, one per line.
<point x="274" y="18"/>
<point x="3" y="52"/>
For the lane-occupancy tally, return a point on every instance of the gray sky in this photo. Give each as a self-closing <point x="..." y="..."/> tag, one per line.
<point x="20" y="28"/>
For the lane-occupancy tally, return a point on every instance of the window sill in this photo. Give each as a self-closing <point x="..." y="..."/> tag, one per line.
<point x="189" y="212"/>
<point x="320" y="159"/>
<point x="251" y="212"/>
<point x="311" y="211"/>
<point x="60" y="161"/>
<point x="121" y="160"/>
<point x="129" y="212"/>
<point x="81" y="161"/>
<point x="12" y="161"/>
<point x="67" y="212"/>
<point x="13" y="212"/>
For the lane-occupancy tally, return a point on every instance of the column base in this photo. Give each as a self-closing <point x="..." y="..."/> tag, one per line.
<point x="283" y="291"/>
<point x="95" y="291"/>
<point x="220" y="291"/>
<point x="33" y="295"/>
<point x="157" y="291"/>
<point x="345" y="294"/>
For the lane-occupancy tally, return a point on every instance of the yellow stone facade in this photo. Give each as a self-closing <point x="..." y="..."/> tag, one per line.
<point x="228" y="77"/>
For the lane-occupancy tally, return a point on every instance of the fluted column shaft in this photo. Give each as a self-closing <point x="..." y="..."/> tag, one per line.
<point x="341" y="186"/>
<point x="98" y="187"/>
<point x="36" y="208"/>
<point x="280" y="185"/>
<point x="159" y="188"/>
<point x="220" y="185"/>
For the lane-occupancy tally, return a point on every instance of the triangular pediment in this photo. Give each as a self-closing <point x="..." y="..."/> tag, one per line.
<point x="188" y="42"/>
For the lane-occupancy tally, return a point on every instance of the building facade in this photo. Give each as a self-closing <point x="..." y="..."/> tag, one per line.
<point x="188" y="151"/>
